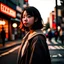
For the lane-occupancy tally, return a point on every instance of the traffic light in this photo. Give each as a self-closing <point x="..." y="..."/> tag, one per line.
<point x="25" y="1"/>
<point x="62" y="2"/>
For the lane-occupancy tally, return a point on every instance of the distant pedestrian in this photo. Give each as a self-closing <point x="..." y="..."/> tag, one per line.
<point x="56" y="35"/>
<point x="3" y="36"/>
<point x="33" y="48"/>
<point x="50" y="35"/>
<point x="61" y="36"/>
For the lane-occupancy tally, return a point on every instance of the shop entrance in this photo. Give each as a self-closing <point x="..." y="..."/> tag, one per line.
<point x="4" y="23"/>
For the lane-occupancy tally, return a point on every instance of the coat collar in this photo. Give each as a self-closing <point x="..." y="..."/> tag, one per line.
<point x="35" y="33"/>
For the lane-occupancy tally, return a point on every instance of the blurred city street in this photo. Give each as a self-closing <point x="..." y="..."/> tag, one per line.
<point x="11" y="49"/>
<point x="10" y="44"/>
<point x="52" y="12"/>
<point x="56" y="51"/>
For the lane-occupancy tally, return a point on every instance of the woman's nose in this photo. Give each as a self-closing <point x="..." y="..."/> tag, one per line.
<point x="25" y="18"/>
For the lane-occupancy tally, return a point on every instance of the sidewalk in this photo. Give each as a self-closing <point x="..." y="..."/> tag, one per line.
<point x="10" y="44"/>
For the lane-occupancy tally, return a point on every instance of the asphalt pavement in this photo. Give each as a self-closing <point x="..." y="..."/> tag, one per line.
<point x="18" y="42"/>
<point x="56" y="51"/>
<point x="10" y="44"/>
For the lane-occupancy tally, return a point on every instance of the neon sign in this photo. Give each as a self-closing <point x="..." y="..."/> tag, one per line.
<point x="7" y="10"/>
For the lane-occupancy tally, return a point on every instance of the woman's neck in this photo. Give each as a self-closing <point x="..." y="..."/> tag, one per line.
<point x="31" y="31"/>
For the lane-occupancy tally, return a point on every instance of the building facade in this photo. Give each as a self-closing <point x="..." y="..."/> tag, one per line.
<point x="10" y="14"/>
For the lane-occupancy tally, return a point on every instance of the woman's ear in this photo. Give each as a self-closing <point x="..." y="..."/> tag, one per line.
<point x="36" y="19"/>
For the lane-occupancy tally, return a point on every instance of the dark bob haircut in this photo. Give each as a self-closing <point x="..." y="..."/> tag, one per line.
<point x="36" y="14"/>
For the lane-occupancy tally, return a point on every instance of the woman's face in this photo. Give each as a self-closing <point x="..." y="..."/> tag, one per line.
<point x="27" y="20"/>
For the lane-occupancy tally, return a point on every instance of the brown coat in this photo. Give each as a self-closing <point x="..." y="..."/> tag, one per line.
<point x="35" y="51"/>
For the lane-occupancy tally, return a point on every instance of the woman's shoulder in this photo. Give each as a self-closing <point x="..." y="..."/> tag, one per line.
<point x="39" y="37"/>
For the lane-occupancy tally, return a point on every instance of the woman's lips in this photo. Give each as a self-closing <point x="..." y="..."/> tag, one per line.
<point x="25" y="23"/>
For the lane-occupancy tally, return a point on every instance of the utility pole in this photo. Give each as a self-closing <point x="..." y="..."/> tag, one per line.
<point x="56" y="13"/>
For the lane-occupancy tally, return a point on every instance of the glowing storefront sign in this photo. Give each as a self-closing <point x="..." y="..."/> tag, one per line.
<point x="7" y="10"/>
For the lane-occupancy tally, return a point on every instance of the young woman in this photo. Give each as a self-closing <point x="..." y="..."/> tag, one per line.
<point x="33" y="49"/>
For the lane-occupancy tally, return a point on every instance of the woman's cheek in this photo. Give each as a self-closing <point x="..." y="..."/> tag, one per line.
<point x="23" y="21"/>
<point x="30" y="22"/>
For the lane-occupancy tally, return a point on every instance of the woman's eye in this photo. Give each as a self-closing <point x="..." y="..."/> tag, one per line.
<point x="29" y="16"/>
<point x="23" y="16"/>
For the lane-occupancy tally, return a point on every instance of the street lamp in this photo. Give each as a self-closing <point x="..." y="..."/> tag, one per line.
<point x="14" y="25"/>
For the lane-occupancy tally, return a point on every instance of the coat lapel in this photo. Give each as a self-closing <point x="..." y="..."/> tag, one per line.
<point x="35" y="33"/>
<point x="25" y="41"/>
<point x="24" y="44"/>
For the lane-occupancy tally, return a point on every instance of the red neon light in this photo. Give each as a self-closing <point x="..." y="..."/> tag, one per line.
<point x="7" y="10"/>
<point x="26" y="0"/>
